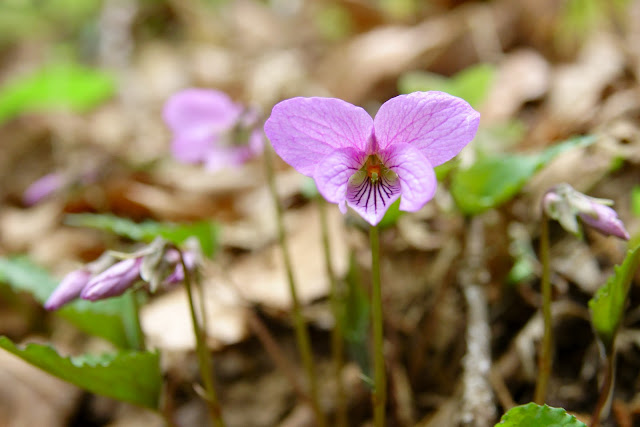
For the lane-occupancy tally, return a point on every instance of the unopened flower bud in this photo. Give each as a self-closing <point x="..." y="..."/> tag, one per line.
<point x="605" y="221"/>
<point x="69" y="289"/>
<point x="113" y="281"/>
<point x="564" y="204"/>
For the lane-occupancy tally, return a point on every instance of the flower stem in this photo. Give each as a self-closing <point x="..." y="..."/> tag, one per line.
<point x="379" y="395"/>
<point x="204" y="358"/>
<point x="544" y="362"/>
<point x="302" y="334"/>
<point x="337" y="343"/>
<point x="607" y="387"/>
<point x="136" y="335"/>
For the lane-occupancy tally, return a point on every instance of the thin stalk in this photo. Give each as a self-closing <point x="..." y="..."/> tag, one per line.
<point x="379" y="394"/>
<point x="337" y="342"/>
<point x="204" y="357"/>
<point x="544" y="362"/>
<point x="166" y="406"/>
<point x="203" y="310"/>
<point x="607" y="387"/>
<point x="136" y="333"/>
<point x="302" y="334"/>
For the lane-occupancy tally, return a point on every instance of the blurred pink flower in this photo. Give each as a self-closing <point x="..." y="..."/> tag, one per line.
<point x="43" y="188"/>
<point x="209" y="128"/>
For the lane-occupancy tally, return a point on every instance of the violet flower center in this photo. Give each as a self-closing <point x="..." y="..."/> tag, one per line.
<point x="373" y="185"/>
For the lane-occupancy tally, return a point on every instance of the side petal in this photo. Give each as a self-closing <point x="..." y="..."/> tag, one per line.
<point x="439" y="125"/>
<point x="333" y="173"/>
<point x="200" y="108"/>
<point x="417" y="178"/>
<point x="304" y="130"/>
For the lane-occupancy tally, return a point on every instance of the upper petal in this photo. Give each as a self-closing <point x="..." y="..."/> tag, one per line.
<point x="304" y="130"/>
<point x="333" y="172"/>
<point x="417" y="178"/>
<point x="439" y="125"/>
<point x="200" y="108"/>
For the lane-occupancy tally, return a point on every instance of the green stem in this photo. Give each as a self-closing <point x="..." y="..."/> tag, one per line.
<point x="607" y="387"/>
<point x="379" y="395"/>
<point x="136" y="335"/>
<point x="203" y="310"/>
<point x="204" y="358"/>
<point x="544" y="362"/>
<point x="302" y="334"/>
<point x="337" y="343"/>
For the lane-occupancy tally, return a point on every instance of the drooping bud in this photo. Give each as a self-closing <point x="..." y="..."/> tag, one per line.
<point x="605" y="221"/>
<point x="113" y="281"/>
<point x="69" y="289"/>
<point x="564" y="204"/>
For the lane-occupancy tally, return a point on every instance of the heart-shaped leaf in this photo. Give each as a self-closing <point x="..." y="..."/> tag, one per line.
<point x="608" y="304"/>
<point x="205" y="231"/>
<point x="532" y="415"/>
<point x="471" y="84"/>
<point x="61" y="86"/>
<point x="492" y="181"/>
<point x="129" y="376"/>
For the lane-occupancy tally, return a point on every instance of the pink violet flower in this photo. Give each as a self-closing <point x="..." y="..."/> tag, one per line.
<point x="367" y="163"/>
<point x="209" y="128"/>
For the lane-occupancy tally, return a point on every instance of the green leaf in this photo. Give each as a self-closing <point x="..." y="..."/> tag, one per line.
<point x="608" y="304"/>
<point x="471" y="84"/>
<point x="494" y="180"/>
<point x="205" y="231"/>
<point x="62" y="86"/>
<point x="101" y="318"/>
<point x="129" y="376"/>
<point x="498" y="137"/>
<point x="532" y="415"/>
